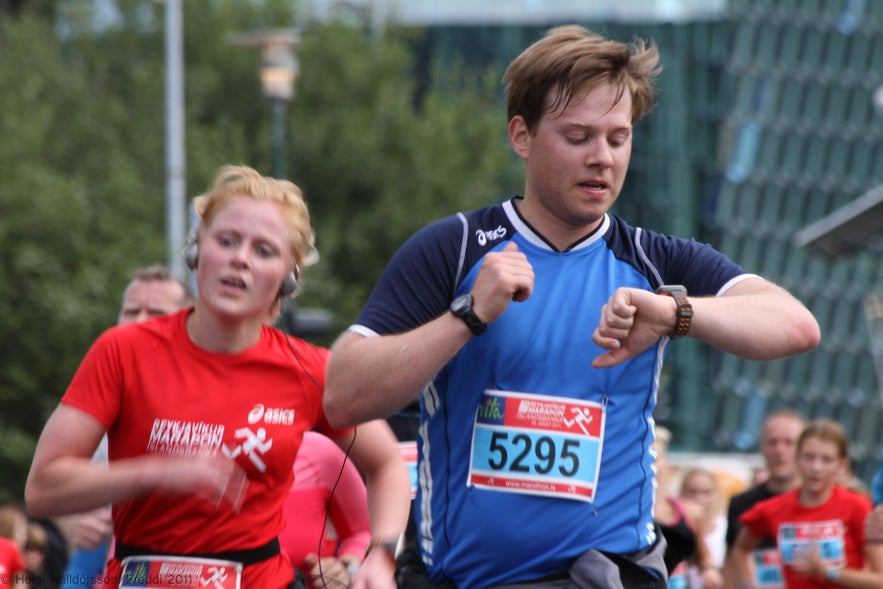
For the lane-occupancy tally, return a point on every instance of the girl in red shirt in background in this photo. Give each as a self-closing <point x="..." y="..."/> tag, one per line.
<point x="818" y="527"/>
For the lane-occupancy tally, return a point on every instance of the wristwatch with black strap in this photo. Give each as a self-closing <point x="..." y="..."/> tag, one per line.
<point x="462" y="308"/>
<point x="684" y="311"/>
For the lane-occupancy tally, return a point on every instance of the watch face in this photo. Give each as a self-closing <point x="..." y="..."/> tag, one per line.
<point x="461" y="303"/>
<point x="462" y="307"/>
<point x="672" y="289"/>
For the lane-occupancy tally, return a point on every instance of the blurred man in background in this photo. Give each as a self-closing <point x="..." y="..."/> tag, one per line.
<point x="778" y="444"/>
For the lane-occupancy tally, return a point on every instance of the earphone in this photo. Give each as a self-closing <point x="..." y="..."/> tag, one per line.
<point x="289" y="285"/>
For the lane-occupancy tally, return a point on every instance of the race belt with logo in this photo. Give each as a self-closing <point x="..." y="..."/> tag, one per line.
<point x="179" y="572"/>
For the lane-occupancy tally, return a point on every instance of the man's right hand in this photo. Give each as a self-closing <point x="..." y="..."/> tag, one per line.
<point x="504" y="276"/>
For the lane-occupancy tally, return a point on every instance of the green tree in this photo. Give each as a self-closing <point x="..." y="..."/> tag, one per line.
<point x="379" y="146"/>
<point x="72" y="216"/>
<point x="377" y="163"/>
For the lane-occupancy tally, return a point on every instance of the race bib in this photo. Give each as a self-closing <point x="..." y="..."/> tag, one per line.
<point x="827" y="536"/>
<point x="179" y="572"/>
<point x="537" y="445"/>
<point x="677" y="579"/>
<point x="768" y="569"/>
<point x="408" y="452"/>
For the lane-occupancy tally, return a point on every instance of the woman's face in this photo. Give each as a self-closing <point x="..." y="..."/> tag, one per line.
<point x="701" y="488"/>
<point x="35" y="555"/>
<point x="820" y="464"/>
<point x="244" y="255"/>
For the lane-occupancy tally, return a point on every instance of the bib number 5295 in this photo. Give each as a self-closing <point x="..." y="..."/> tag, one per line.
<point x="540" y="454"/>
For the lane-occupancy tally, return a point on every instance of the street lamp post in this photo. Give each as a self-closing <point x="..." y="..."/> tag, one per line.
<point x="280" y="109"/>
<point x="175" y="160"/>
<point x="278" y="73"/>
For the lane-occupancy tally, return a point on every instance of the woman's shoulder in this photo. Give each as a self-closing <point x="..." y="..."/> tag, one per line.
<point x="841" y="495"/>
<point x="291" y="345"/>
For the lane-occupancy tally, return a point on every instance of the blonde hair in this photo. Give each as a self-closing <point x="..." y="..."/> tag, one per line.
<point x="698" y="471"/>
<point x="38" y="537"/>
<point x="663" y="436"/>
<point x="13" y="523"/>
<point x="242" y="181"/>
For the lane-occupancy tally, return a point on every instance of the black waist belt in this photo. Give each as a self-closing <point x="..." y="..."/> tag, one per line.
<point x="246" y="557"/>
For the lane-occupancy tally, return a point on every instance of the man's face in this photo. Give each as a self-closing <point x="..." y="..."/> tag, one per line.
<point x="150" y="298"/>
<point x="779" y="446"/>
<point x="576" y="162"/>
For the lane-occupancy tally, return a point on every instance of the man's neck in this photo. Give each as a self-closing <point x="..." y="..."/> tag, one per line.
<point x="781" y="485"/>
<point x="558" y="233"/>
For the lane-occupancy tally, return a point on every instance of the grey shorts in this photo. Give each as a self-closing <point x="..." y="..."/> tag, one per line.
<point x="592" y="570"/>
<point x="600" y="570"/>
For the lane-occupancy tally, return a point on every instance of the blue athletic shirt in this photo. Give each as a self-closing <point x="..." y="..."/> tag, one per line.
<point x="511" y="486"/>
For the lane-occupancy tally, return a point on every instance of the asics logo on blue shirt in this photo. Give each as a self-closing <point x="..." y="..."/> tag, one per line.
<point x="485" y="236"/>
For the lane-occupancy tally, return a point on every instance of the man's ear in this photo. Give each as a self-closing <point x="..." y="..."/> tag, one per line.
<point x="519" y="136"/>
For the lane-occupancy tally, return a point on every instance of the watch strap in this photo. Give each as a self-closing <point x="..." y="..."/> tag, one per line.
<point x="831" y="574"/>
<point x="462" y="308"/>
<point x="684" y="311"/>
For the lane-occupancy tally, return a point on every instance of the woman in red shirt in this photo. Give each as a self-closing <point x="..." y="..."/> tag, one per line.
<point x="205" y="410"/>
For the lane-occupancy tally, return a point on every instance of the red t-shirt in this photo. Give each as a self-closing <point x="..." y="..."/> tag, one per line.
<point x="158" y="393"/>
<point x="11" y="562"/>
<point x="836" y="527"/>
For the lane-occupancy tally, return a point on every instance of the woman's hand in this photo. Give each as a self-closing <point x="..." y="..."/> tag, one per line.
<point x="326" y="573"/>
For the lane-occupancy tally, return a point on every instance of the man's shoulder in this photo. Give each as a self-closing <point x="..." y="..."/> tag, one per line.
<point x="622" y="234"/>
<point x="671" y="259"/>
<point x="490" y="220"/>
<point x="463" y="235"/>
<point x="742" y="501"/>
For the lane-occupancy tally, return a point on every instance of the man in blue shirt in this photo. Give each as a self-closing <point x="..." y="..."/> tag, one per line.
<point x="534" y="335"/>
